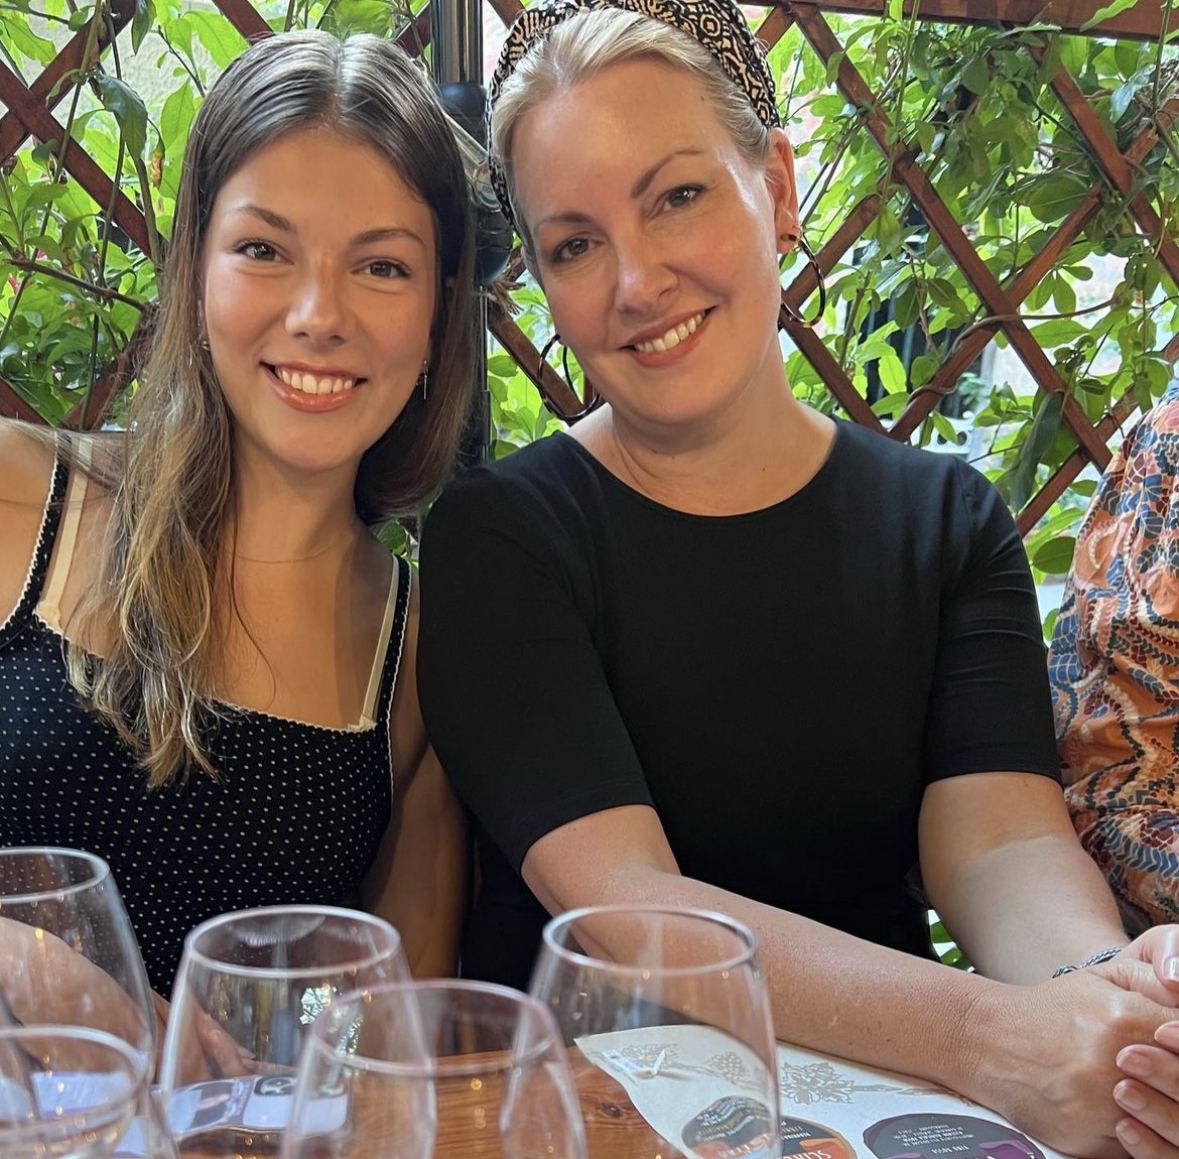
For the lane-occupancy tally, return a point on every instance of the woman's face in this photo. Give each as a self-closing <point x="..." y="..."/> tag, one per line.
<point x="656" y="241"/>
<point x="320" y="279"/>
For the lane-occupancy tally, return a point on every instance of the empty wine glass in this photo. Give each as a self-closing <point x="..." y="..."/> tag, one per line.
<point x="669" y="1005"/>
<point x="446" y="1068"/>
<point x="68" y="955"/>
<point x="249" y="986"/>
<point x="70" y="1092"/>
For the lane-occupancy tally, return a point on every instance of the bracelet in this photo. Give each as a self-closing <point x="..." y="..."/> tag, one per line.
<point x="1091" y="960"/>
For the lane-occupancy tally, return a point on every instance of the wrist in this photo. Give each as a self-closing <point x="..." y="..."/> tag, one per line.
<point x="979" y="1017"/>
<point x="1092" y="960"/>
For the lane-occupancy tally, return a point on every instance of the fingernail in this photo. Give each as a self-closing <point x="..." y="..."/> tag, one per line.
<point x="1168" y="1035"/>
<point x="1129" y="1096"/>
<point x="1129" y="1133"/>
<point x="1171" y="969"/>
<point x="1134" y="1062"/>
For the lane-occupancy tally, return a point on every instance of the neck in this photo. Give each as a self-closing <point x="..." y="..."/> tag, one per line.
<point x="759" y="452"/>
<point x="286" y="520"/>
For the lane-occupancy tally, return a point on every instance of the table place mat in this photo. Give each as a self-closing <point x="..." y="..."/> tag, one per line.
<point x="697" y="1087"/>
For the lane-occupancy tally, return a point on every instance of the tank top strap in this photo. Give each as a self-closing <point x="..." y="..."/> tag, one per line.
<point x="43" y="552"/>
<point x="49" y="605"/>
<point x="387" y="662"/>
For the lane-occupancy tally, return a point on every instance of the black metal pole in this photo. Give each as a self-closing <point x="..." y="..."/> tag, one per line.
<point x="456" y="39"/>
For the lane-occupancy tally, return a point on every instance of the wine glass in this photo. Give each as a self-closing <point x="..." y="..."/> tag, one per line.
<point x="669" y="1005"/>
<point x="442" y="1067"/>
<point x="69" y="1092"/>
<point x="249" y="986"/>
<point x="68" y="955"/>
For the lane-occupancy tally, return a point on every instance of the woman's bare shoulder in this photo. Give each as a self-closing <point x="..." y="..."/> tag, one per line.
<point x="26" y="469"/>
<point x="26" y="456"/>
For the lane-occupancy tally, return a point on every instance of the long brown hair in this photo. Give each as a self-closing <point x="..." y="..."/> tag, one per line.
<point x="161" y="571"/>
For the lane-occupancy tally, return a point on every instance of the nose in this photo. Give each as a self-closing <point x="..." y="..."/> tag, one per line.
<point x="643" y="275"/>
<point x="317" y="310"/>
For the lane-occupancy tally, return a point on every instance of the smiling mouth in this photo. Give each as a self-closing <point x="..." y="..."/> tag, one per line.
<point x="307" y="383"/>
<point x="673" y="337"/>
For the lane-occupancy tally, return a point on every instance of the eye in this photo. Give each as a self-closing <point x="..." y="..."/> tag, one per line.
<point x="682" y="195"/>
<point x="567" y="251"/>
<point x="384" y="268"/>
<point x="258" y="251"/>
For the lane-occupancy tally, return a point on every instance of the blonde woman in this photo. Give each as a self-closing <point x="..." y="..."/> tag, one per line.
<point x="206" y="656"/>
<point x="778" y="666"/>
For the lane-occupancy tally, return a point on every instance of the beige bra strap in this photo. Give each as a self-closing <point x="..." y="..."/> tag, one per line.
<point x="367" y="718"/>
<point x="67" y="538"/>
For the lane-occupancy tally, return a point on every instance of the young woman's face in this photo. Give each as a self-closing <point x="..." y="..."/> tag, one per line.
<point x="656" y="240"/>
<point x="320" y="280"/>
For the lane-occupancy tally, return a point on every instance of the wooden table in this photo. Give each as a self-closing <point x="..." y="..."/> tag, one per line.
<point x="613" y="1128"/>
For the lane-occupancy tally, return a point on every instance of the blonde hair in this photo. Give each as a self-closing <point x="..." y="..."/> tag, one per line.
<point x="582" y="46"/>
<point x="162" y="570"/>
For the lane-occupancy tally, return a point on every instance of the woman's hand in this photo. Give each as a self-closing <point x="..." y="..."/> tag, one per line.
<point x="43" y="980"/>
<point x="1049" y="1058"/>
<point x="208" y="1051"/>
<point x="1148" y="1091"/>
<point x="1159" y="949"/>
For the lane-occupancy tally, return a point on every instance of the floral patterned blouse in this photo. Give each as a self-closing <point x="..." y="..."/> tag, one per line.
<point x="1114" y="666"/>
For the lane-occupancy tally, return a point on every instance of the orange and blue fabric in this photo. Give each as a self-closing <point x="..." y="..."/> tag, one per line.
<point x="1114" y="665"/>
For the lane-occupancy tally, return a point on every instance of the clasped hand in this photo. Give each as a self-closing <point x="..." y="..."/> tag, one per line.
<point x="1089" y="1062"/>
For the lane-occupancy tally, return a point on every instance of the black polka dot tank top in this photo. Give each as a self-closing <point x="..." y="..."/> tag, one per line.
<point x="296" y="817"/>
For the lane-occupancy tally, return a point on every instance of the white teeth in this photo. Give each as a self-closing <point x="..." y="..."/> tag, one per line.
<point x="313" y="384"/>
<point x="672" y="338"/>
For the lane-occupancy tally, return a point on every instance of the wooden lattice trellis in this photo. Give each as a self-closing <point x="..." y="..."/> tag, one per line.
<point x="30" y="112"/>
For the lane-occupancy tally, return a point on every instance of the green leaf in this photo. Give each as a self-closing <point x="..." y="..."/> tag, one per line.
<point x="15" y="31"/>
<point x="128" y="109"/>
<point x="976" y="76"/>
<point x="502" y="364"/>
<point x="892" y="372"/>
<point x="890" y="405"/>
<point x="1121" y="97"/>
<point x="831" y="105"/>
<point x="1064" y="295"/>
<point x="922" y="370"/>
<point x="1116" y="8"/>
<point x="1057" y="332"/>
<point x="1056" y="195"/>
<point x="222" y="41"/>
<point x="888" y="229"/>
<point x="943" y="294"/>
<point x="1056" y="556"/>
<point x="145" y="15"/>
<point x="176" y="119"/>
<point x="1074" y="54"/>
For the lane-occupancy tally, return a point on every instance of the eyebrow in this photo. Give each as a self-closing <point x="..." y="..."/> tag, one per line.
<point x="572" y="217"/>
<point x="367" y="237"/>
<point x="641" y="186"/>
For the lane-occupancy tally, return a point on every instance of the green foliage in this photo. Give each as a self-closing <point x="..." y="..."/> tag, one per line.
<point x="974" y="103"/>
<point x="976" y="107"/>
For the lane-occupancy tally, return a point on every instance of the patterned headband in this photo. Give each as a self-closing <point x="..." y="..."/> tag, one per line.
<point x="717" y="25"/>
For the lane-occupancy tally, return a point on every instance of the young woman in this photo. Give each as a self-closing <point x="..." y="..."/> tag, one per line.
<point x="206" y="663"/>
<point x="773" y="664"/>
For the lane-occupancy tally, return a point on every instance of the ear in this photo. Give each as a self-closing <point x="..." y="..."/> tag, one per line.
<point x="779" y="169"/>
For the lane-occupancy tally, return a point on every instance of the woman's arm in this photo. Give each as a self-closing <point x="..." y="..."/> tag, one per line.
<point x="420" y="876"/>
<point x="1044" y="1056"/>
<point x="1004" y="870"/>
<point x="26" y="467"/>
<point x="419" y="880"/>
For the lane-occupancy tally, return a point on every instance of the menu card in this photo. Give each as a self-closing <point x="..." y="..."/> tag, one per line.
<point x="701" y="1090"/>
